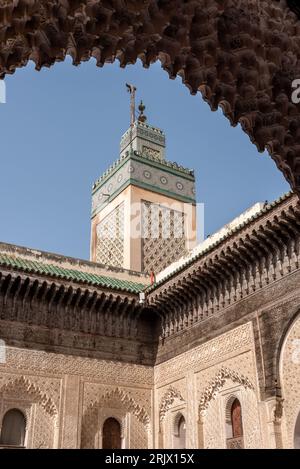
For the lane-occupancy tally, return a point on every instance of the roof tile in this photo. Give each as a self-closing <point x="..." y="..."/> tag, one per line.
<point x="70" y="274"/>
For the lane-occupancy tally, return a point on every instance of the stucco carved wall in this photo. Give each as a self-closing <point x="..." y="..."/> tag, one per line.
<point x="66" y="399"/>
<point x="196" y="384"/>
<point x="236" y="340"/>
<point x="37" y="361"/>
<point x="207" y="374"/>
<point x="100" y="402"/>
<point x="31" y="396"/>
<point x="290" y="381"/>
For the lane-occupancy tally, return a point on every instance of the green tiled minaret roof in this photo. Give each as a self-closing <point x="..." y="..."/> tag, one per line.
<point x="171" y="165"/>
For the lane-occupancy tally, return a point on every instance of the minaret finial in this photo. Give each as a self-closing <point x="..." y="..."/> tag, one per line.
<point x="142" y="117"/>
<point x="132" y="89"/>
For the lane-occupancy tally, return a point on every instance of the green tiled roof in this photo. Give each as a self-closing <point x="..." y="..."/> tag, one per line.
<point x="70" y="274"/>
<point x="180" y="170"/>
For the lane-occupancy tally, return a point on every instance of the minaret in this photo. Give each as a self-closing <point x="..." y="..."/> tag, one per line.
<point x="143" y="206"/>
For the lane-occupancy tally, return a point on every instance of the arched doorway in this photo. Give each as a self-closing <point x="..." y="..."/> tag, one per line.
<point x="179" y="437"/>
<point x="13" y="428"/>
<point x="297" y="433"/>
<point x="234" y="425"/>
<point x="236" y="419"/>
<point x="111" y="435"/>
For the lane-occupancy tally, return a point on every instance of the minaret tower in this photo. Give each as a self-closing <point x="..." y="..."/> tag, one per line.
<point x="143" y="206"/>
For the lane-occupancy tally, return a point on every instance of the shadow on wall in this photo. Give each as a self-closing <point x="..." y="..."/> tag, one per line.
<point x="297" y="433"/>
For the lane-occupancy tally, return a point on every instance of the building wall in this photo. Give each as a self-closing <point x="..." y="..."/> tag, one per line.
<point x="270" y="309"/>
<point x="130" y="249"/>
<point x="110" y="238"/>
<point x="66" y="399"/>
<point x="250" y="351"/>
<point x="180" y="354"/>
<point x="198" y="383"/>
<point x="290" y="382"/>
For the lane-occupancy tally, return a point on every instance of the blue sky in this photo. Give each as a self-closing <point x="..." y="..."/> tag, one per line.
<point x="61" y="128"/>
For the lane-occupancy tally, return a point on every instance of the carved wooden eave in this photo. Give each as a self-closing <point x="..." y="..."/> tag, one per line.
<point x="242" y="55"/>
<point x="294" y="6"/>
<point x="254" y="255"/>
<point x="64" y="305"/>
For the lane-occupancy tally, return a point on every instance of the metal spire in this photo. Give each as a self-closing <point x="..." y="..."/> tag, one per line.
<point x="132" y="89"/>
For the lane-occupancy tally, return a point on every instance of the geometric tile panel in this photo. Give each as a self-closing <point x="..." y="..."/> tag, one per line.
<point x="110" y="238"/>
<point x="163" y="236"/>
<point x="141" y="170"/>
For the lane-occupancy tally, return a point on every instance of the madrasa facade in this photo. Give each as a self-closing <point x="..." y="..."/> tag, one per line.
<point x="157" y="341"/>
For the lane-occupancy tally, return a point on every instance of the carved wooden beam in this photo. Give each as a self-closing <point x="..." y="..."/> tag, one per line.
<point x="229" y="51"/>
<point x="57" y="306"/>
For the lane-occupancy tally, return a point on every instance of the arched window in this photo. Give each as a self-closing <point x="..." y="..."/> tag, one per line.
<point x="234" y="424"/>
<point x="111" y="436"/>
<point x="13" y="428"/>
<point x="179" y="436"/>
<point x="297" y="433"/>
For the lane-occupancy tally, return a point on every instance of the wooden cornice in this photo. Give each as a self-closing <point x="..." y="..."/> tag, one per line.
<point x="254" y="256"/>
<point x="64" y="306"/>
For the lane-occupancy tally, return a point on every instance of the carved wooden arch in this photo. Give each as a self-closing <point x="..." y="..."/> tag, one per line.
<point x="242" y="55"/>
<point x="217" y="384"/>
<point x="167" y="400"/>
<point x="33" y="391"/>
